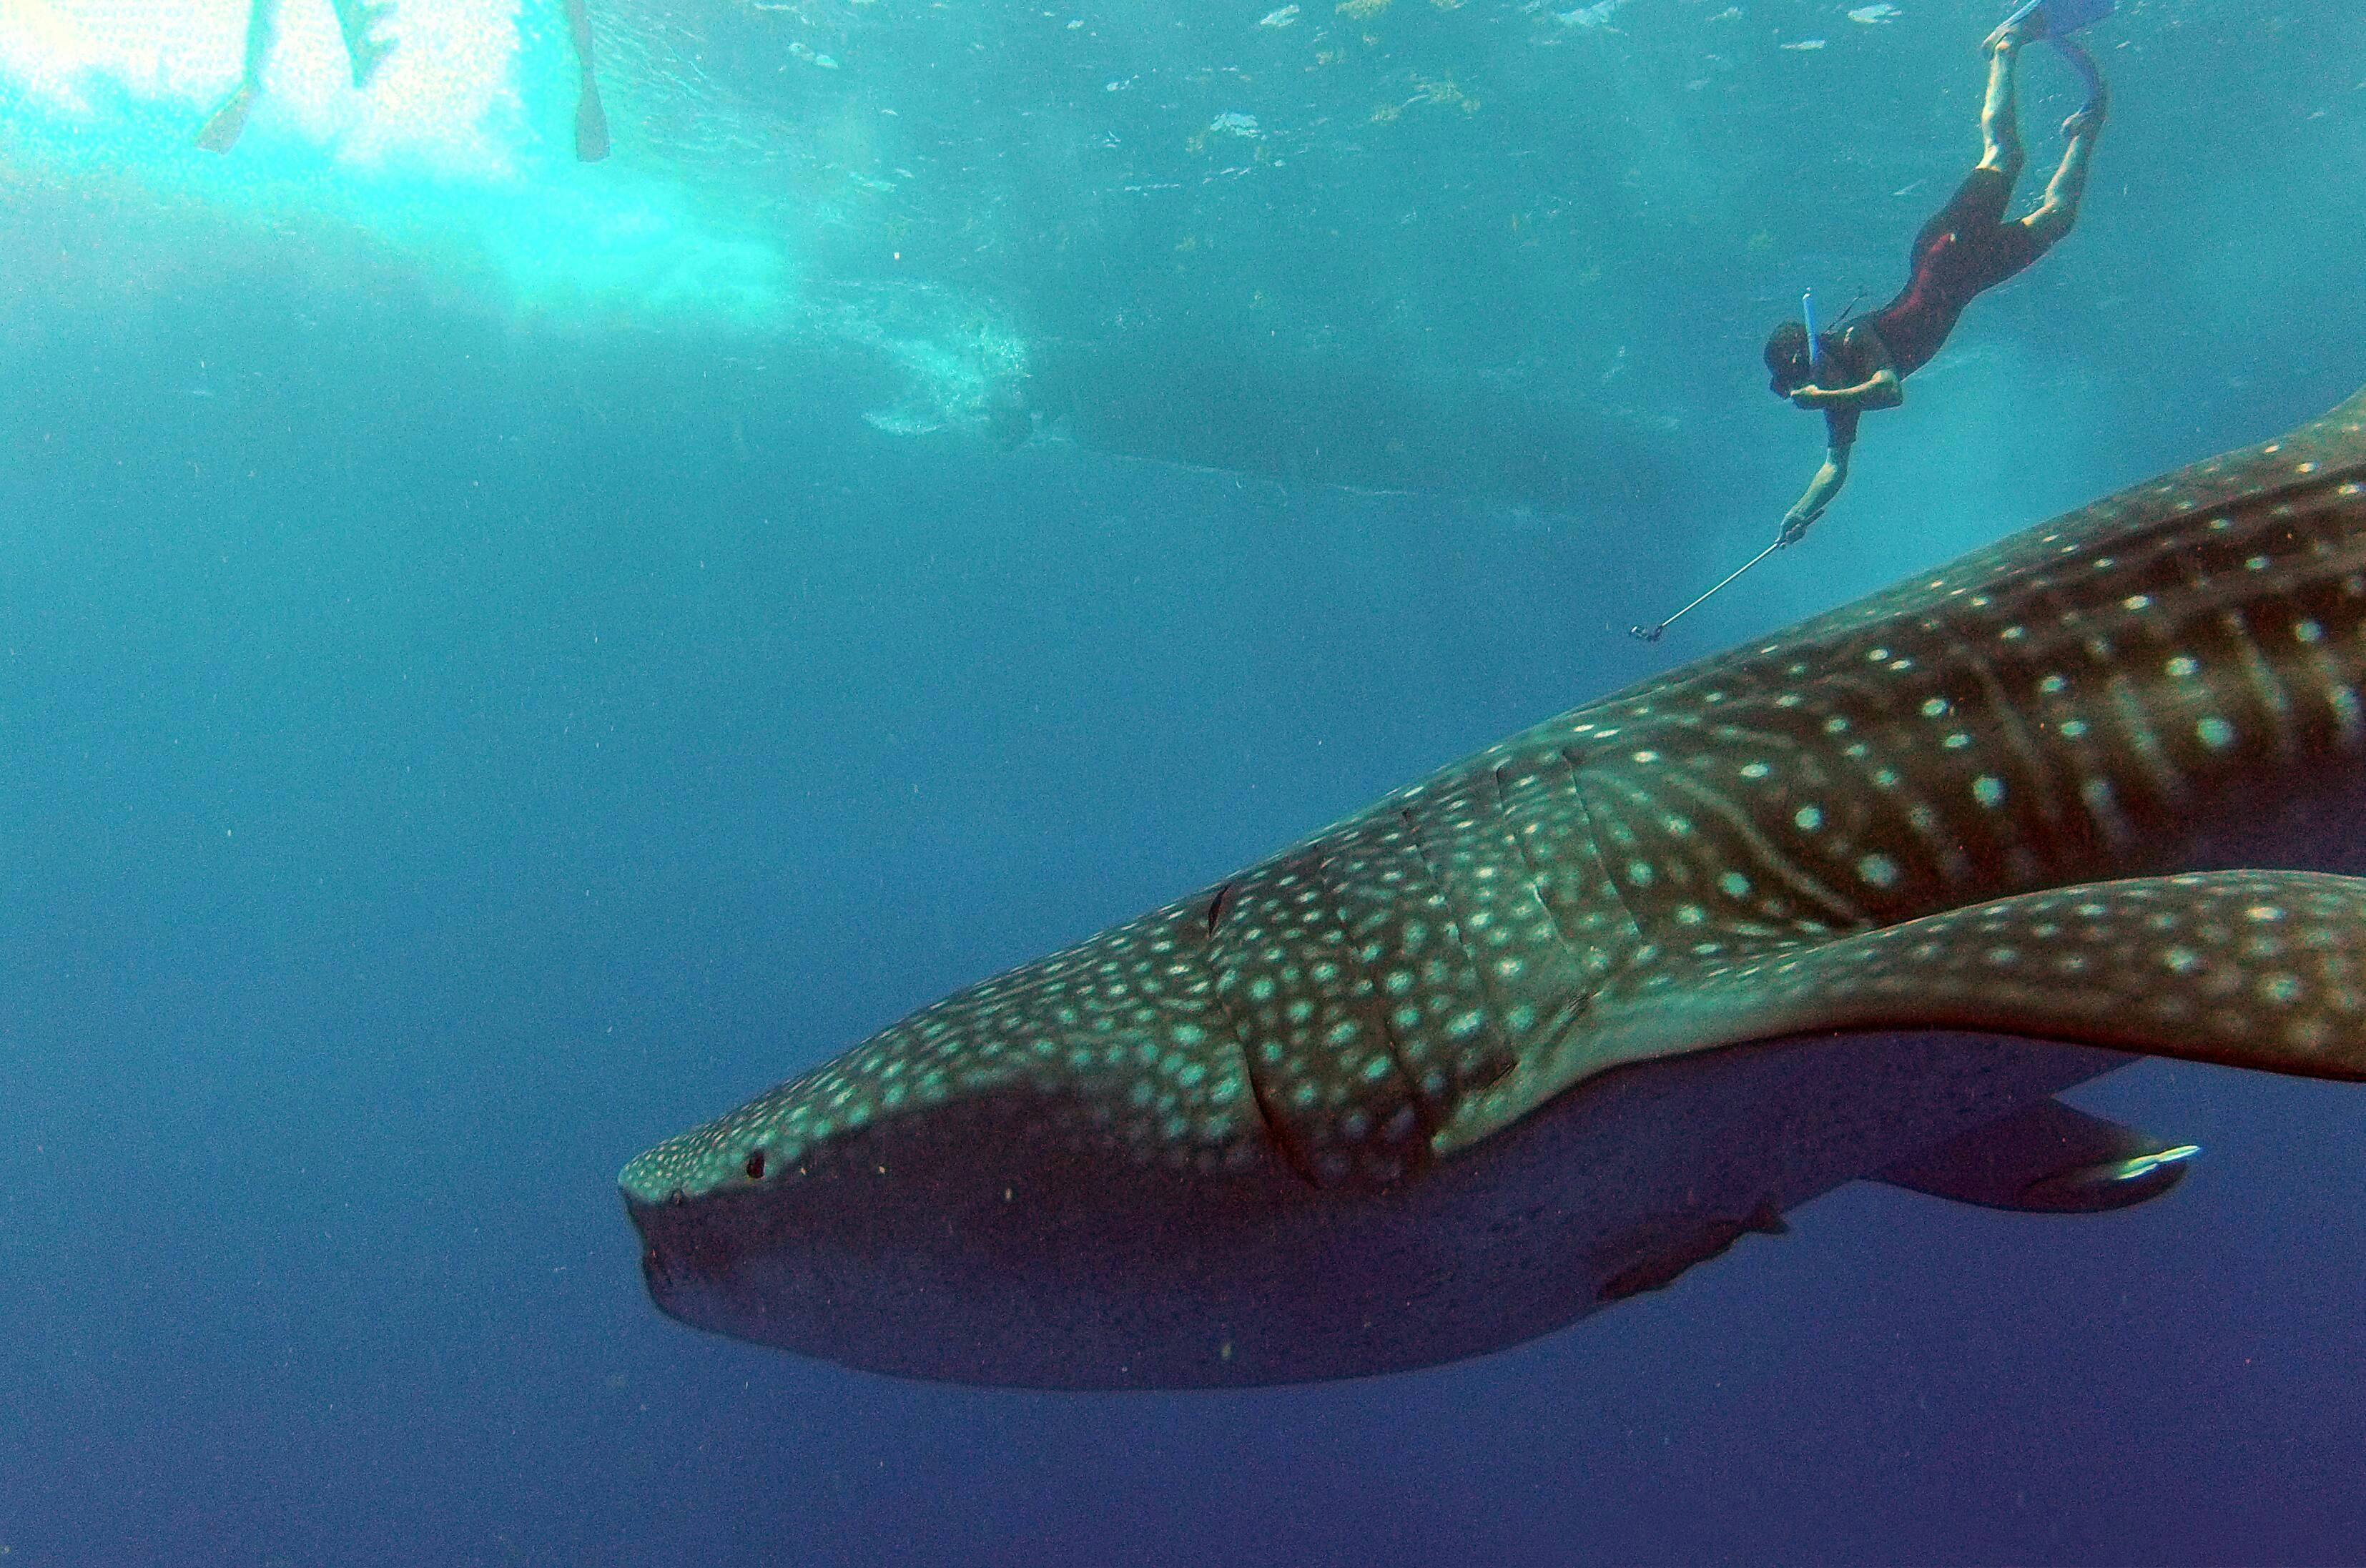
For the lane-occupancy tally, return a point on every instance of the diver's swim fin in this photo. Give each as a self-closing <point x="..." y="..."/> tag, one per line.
<point x="2046" y="1159"/>
<point x="2059" y="19"/>
<point x="2054" y="21"/>
<point x="591" y="119"/>
<point x="222" y="127"/>
<point x="591" y="124"/>
<point x="2064" y="17"/>
<point x="2079" y="61"/>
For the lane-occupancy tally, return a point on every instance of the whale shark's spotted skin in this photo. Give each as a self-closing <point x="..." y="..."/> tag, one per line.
<point x="1904" y="813"/>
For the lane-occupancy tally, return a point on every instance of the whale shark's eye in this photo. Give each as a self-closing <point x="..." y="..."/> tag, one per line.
<point x="754" y="1166"/>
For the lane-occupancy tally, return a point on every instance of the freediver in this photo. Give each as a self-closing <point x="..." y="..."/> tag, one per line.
<point x="1967" y="248"/>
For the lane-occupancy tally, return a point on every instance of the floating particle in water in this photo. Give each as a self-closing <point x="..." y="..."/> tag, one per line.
<point x="1806" y="43"/>
<point x="1281" y="19"/>
<point x="1872" y="14"/>
<point x="1233" y="122"/>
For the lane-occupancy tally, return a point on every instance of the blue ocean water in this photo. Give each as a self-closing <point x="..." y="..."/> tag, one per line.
<point x="505" y="658"/>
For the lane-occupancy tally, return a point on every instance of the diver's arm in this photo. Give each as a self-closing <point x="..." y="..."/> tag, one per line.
<point x="1820" y="492"/>
<point x="1882" y="390"/>
<point x="227" y="123"/>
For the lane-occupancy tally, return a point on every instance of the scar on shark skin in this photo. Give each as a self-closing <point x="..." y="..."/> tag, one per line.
<point x="1852" y="901"/>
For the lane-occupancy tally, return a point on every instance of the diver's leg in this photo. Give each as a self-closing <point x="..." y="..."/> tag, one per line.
<point x="1999" y="120"/>
<point x="362" y="52"/>
<point x="2060" y="208"/>
<point x="262" y="27"/>
<point x="220" y="133"/>
<point x="591" y="119"/>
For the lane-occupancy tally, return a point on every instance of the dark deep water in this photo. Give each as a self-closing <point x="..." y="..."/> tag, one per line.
<point x="446" y="754"/>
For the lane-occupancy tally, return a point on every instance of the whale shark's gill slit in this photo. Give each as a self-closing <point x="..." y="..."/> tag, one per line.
<point x="1275" y="1132"/>
<point x="1529" y="871"/>
<point x="1460" y="932"/>
<point x="1278" y="1137"/>
<point x="1426" y="1109"/>
<point x="1594" y="837"/>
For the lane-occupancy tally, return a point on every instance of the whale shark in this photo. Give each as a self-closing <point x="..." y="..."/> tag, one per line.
<point x="1557" y="1023"/>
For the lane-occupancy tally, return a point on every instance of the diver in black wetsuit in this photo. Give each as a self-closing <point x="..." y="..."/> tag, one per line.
<point x="1966" y="248"/>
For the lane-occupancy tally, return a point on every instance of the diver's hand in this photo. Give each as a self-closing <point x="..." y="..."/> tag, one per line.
<point x="1795" y="528"/>
<point x="1811" y="397"/>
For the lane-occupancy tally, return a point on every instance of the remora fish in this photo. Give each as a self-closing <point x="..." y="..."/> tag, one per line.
<point x="1448" y="1073"/>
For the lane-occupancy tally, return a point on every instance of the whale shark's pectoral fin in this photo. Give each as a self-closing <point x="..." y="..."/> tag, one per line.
<point x="2261" y="969"/>
<point x="2046" y="1159"/>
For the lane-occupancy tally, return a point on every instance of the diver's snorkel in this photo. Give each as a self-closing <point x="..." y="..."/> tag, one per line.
<point x="1815" y="346"/>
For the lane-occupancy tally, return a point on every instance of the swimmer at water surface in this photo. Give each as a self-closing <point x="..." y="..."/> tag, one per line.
<point x="364" y="52"/>
<point x="356" y="21"/>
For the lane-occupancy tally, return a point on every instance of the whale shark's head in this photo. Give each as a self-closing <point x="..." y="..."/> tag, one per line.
<point x="1009" y="1162"/>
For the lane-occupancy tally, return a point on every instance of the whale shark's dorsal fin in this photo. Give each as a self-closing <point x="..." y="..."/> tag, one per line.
<point x="2046" y="1158"/>
<point x="2250" y="970"/>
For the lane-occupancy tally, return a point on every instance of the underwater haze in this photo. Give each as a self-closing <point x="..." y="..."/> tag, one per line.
<point x="502" y="657"/>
